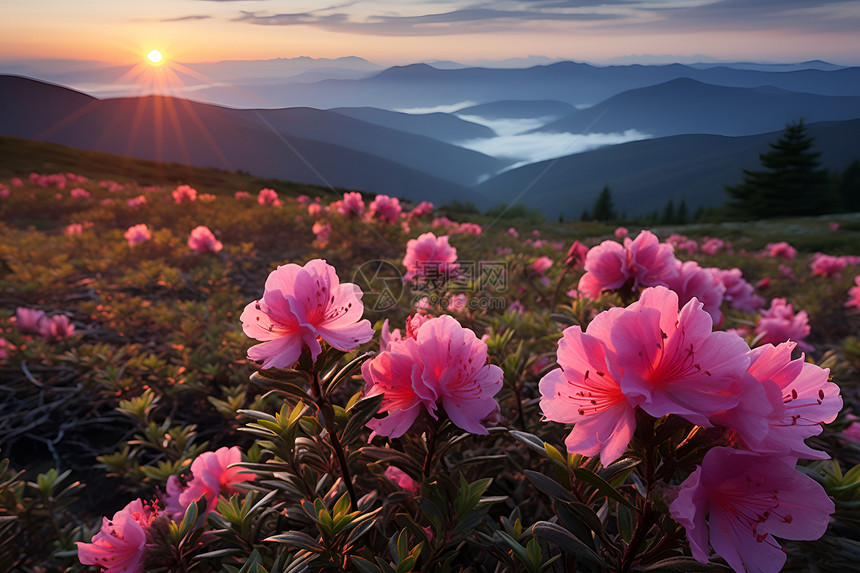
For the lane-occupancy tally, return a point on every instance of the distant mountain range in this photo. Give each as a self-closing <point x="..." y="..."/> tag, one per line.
<point x="363" y="144"/>
<point x="685" y="105"/>
<point x="570" y="82"/>
<point x="644" y="175"/>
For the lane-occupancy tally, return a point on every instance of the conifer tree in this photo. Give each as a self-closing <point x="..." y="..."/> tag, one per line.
<point x="604" y="209"/>
<point x="790" y="183"/>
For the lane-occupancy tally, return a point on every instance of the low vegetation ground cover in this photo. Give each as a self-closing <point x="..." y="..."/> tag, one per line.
<point x="145" y="387"/>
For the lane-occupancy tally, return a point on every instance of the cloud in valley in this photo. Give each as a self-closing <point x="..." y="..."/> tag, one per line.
<point x="525" y="148"/>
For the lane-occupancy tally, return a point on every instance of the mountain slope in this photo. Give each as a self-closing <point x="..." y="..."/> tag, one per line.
<point x="644" y="175"/>
<point x="441" y="126"/>
<point x="519" y="109"/>
<point x="169" y="129"/>
<point x="688" y="106"/>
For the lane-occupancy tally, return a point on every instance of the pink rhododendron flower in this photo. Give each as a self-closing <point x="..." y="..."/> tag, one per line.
<point x="202" y="240"/>
<point x="576" y="255"/>
<point x="513" y="233"/>
<point x="322" y="232"/>
<point x="170" y="499"/>
<point x="137" y="234"/>
<point x="469" y="229"/>
<point x="396" y="374"/>
<point x="352" y="204"/>
<point x="692" y="281"/>
<point x="781" y="249"/>
<point x="79" y="193"/>
<point x="16" y="182"/>
<point x="430" y="257"/>
<point x="443" y="222"/>
<point x="645" y="260"/>
<point x="763" y="284"/>
<point x="423" y="208"/>
<point x="854" y="294"/>
<point x="779" y="323"/>
<point x="621" y="232"/>
<point x="212" y="476"/>
<point x="606" y="269"/>
<point x="401" y="478"/>
<point x="55" y="328"/>
<point x="457" y="303"/>
<point x="28" y="320"/>
<point x="242" y="195"/>
<point x="801" y="398"/>
<point x="827" y="266"/>
<point x="184" y="194"/>
<point x="386" y="209"/>
<point x="314" y="209"/>
<point x="5" y="348"/>
<point x="455" y="366"/>
<point x="738" y="292"/>
<point x="541" y="265"/>
<point x="300" y="306"/>
<point x="713" y="245"/>
<point x="444" y="364"/>
<point x="268" y="198"/>
<point x="135" y="203"/>
<point x="833" y="226"/>
<point x="586" y="392"/>
<point x="672" y="361"/>
<point x="207" y="197"/>
<point x="120" y="545"/>
<point x="73" y="229"/>
<point x="739" y="500"/>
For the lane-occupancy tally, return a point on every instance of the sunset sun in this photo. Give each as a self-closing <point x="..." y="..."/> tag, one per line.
<point x="154" y="57"/>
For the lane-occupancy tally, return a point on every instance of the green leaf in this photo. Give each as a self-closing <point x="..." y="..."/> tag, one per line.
<point x="549" y="486"/>
<point x="568" y="542"/>
<point x="529" y="440"/>
<point x="363" y="565"/>
<point x="359" y="415"/>
<point x="518" y="549"/>
<point x="298" y="540"/>
<point x="681" y="565"/>
<point x="601" y="484"/>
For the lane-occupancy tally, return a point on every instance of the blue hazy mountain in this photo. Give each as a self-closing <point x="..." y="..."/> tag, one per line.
<point x="644" y="175"/>
<point x="171" y="129"/>
<point x="519" y="109"/>
<point x="441" y="126"/>
<point x="570" y="82"/>
<point x="685" y="105"/>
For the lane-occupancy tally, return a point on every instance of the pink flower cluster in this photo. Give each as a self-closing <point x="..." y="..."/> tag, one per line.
<point x="430" y="257"/>
<point x="50" y="328"/>
<point x="653" y="357"/>
<point x="438" y="364"/>
<point x="135" y="203"/>
<point x="468" y="229"/>
<point x="682" y="243"/>
<point x="203" y="241"/>
<point x="184" y="194"/>
<point x="854" y="294"/>
<point x="300" y="307"/>
<point x="779" y="323"/>
<point x="714" y="245"/>
<point x="827" y="265"/>
<point x="321" y="230"/>
<point x="57" y="180"/>
<point x="268" y="198"/>
<point x="79" y="193"/>
<point x="386" y="209"/>
<point x="112" y="186"/>
<point x="242" y="195"/>
<point x="351" y="204"/>
<point x="120" y="545"/>
<point x="137" y="234"/>
<point x="780" y="250"/>
<point x="423" y="208"/>
<point x="211" y="475"/>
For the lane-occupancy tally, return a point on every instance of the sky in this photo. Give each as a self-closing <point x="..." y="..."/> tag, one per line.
<point x="390" y="32"/>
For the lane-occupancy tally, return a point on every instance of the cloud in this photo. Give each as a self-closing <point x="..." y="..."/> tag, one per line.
<point x="468" y="19"/>
<point x="448" y="108"/>
<point x="533" y="147"/>
<point x="810" y="15"/>
<point x="186" y="18"/>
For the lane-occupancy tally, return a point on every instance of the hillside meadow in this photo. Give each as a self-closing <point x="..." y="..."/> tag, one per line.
<point x="183" y="353"/>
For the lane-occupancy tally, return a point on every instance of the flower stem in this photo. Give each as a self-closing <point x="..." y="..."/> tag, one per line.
<point x="328" y="419"/>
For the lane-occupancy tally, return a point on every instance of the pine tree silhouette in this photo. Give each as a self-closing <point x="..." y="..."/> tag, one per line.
<point x="791" y="183"/>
